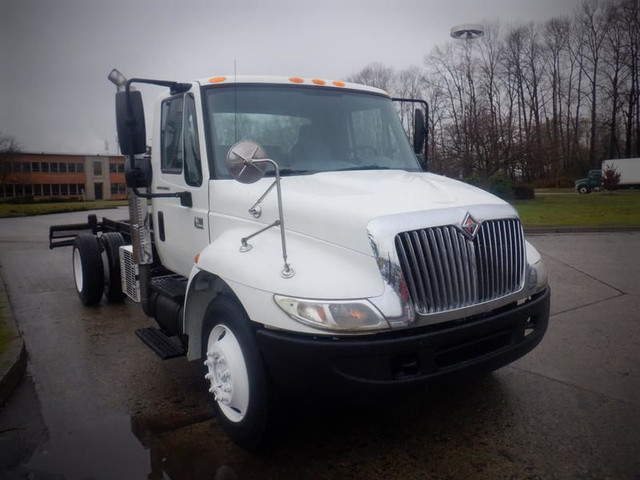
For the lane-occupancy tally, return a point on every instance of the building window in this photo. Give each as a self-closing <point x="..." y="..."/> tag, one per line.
<point x="64" y="189"/>
<point x="45" y="167"/>
<point x="54" y="167"/>
<point x="63" y="167"/>
<point x="35" y="166"/>
<point x="116" y="167"/>
<point x="71" y="167"/>
<point x="79" y="167"/>
<point x="26" y="167"/>
<point x="46" y="189"/>
<point x="80" y="187"/>
<point x="55" y="189"/>
<point x="97" y="169"/>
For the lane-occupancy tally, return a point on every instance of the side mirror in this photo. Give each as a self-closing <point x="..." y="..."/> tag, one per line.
<point x="419" y="132"/>
<point x="245" y="161"/>
<point x="132" y="136"/>
<point x="138" y="175"/>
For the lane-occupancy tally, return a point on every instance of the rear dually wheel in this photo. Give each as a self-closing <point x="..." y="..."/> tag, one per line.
<point x="88" y="271"/>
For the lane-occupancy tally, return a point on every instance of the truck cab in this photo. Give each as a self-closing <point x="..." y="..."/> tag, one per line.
<point x="593" y="182"/>
<point x="285" y="233"/>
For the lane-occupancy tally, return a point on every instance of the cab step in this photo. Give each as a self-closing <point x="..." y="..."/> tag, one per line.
<point x="161" y="344"/>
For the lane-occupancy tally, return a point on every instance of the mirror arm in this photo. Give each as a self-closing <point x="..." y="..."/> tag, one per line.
<point x="254" y="209"/>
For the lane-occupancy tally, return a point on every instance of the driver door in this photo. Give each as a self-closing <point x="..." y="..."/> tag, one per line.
<point x="181" y="231"/>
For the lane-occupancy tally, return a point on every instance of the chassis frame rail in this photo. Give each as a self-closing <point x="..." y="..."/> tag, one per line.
<point x="64" y="235"/>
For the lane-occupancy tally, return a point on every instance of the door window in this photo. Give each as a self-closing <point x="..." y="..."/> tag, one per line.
<point x="179" y="139"/>
<point x="171" y="135"/>
<point x="192" y="166"/>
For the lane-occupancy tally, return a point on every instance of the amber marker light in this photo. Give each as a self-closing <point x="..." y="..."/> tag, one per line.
<point x="217" y="79"/>
<point x="318" y="81"/>
<point x="338" y="83"/>
<point x="296" y="80"/>
<point x="196" y="259"/>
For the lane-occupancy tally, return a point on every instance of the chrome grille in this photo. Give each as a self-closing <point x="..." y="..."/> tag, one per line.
<point x="446" y="270"/>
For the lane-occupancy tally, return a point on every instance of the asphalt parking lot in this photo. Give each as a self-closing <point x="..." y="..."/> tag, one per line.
<point x="97" y="404"/>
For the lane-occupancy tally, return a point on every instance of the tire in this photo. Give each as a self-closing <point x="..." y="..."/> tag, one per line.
<point x="110" y="243"/>
<point x="88" y="272"/>
<point x="241" y="392"/>
<point x="583" y="190"/>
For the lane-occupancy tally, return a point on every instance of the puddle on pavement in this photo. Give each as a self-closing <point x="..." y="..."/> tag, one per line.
<point x="103" y="448"/>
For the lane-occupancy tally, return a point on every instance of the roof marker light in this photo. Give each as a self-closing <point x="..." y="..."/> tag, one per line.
<point x="296" y="80"/>
<point x="318" y="81"/>
<point x="338" y="83"/>
<point x="217" y="79"/>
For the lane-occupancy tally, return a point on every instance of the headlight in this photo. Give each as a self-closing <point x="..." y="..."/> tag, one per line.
<point x="537" y="272"/>
<point x="350" y="315"/>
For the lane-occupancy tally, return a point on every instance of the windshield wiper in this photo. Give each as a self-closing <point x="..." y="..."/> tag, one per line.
<point x="363" y="167"/>
<point x="291" y="171"/>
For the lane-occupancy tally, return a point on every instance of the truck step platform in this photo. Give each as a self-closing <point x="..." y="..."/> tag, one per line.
<point x="172" y="286"/>
<point x="162" y="345"/>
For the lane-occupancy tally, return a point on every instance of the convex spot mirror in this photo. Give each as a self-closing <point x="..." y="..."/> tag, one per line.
<point x="132" y="136"/>
<point x="245" y="161"/>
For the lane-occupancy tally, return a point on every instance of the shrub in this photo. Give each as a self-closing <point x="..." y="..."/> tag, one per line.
<point x="610" y="178"/>
<point x="560" y="182"/>
<point x="523" y="192"/>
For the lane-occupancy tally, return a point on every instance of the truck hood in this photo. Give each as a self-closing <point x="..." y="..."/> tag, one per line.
<point x="336" y="207"/>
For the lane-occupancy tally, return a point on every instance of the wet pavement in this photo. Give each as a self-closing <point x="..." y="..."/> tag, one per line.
<point x="97" y="404"/>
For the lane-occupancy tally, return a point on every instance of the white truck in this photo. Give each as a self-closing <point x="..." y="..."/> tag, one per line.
<point x="629" y="170"/>
<point x="286" y="233"/>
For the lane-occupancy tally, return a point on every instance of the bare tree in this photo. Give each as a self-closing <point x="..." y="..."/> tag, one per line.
<point x="629" y="15"/>
<point x="592" y="22"/>
<point x="375" y="75"/>
<point x="614" y="73"/>
<point x="556" y="40"/>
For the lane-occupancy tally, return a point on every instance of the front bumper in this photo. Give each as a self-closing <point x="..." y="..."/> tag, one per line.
<point x="390" y="362"/>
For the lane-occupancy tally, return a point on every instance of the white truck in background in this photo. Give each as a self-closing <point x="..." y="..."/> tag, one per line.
<point x="629" y="170"/>
<point x="286" y="233"/>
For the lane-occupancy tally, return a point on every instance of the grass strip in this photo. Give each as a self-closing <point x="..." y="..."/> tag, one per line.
<point x="18" y="210"/>
<point x="574" y="210"/>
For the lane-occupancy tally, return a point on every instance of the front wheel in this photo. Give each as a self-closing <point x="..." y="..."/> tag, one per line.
<point x="235" y="374"/>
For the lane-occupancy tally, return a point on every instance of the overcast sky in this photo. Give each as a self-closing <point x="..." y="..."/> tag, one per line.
<point x="55" y="54"/>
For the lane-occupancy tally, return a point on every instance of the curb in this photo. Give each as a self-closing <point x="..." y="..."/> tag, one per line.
<point x="13" y="362"/>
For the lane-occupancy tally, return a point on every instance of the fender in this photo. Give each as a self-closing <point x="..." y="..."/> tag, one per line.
<point x="253" y="277"/>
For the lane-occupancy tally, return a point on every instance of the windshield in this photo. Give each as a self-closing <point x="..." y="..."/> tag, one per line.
<point x="308" y="130"/>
